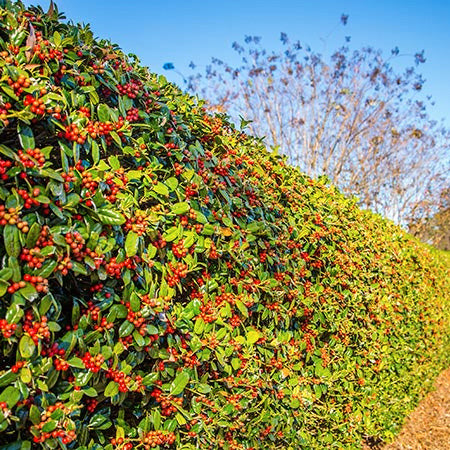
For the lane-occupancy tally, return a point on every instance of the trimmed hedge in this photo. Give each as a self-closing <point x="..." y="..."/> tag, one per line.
<point x="166" y="282"/>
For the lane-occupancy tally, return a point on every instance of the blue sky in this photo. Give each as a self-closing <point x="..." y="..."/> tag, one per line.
<point x="180" y="31"/>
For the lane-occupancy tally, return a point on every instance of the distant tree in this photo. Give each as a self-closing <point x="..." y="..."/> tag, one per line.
<point x="350" y="116"/>
<point x="435" y="229"/>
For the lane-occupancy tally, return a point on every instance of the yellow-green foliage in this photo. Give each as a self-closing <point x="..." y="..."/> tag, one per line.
<point x="166" y="281"/>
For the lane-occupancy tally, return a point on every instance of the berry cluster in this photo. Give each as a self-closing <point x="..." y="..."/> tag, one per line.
<point x="167" y="403"/>
<point x="15" y="286"/>
<point x="113" y="268"/>
<point x="104" y="325"/>
<point x="37" y="105"/>
<point x="4" y="167"/>
<point x="85" y="111"/>
<point x="30" y="157"/>
<point x="135" y="318"/>
<point x="190" y="360"/>
<point x="4" y="113"/>
<point x="120" y="378"/>
<point x="32" y="257"/>
<point x="113" y="187"/>
<point x="179" y="271"/>
<point x="138" y="222"/>
<point x="179" y="250"/>
<point x="93" y="310"/>
<point x="98" y="68"/>
<point x="153" y="439"/>
<point x="16" y="367"/>
<point x="65" y="264"/>
<point x="87" y="182"/>
<point x="98" y="129"/>
<point x="60" y="364"/>
<point x="20" y="84"/>
<point x="28" y="199"/>
<point x="69" y="178"/>
<point x="191" y="190"/>
<point x="93" y="363"/>
<point x="53" y="350"/>
<point x="36" y="330"/>
<point x="45" y="52"/>
<point x="7" y="329"/>
<point x="4" y="409"/>
<point x="60" y="432"/>
<point x="178" y="169"/>
<point x="40" y="283"/>
<point x="120" y="442"/>
<point x="10" y="216"/>
<point x="73" y="133"/>
<point x="75" y="241"/>
<point x="130" y="89"/>
<point x="91" y="404"/>
<point x="132" y="115"/>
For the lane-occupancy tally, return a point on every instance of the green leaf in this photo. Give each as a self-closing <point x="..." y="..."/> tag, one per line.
<point x="110" y="217"/>
<point x="72" y="200"/>
<point x="253" y="336"/>
<point x="111" y="389"/>
<point x="181" y="208"/>
<point x="242" y="308"/>
<point x="57" y="38"/>
<point x="79" y="268"/>
<point x="33" y="235"/>
<point x="208" y="229"/>
<point x="7" y="378"/>
<point x="6" y="274"/>
<point x="10" y="92"/>
<point x="179" y="383"/>
<point x="140" y="341"/>
<point x="47" y="269"/>
<point x="54" y="326"/>
<point x="103" y="112"/>
<point x="116" y="138"/>
<point x="171" y="183"/>
<point x="10" y="395"/>
<point x="151" y="249"/>
<point x="15" y="313"/>
<point x="13" y="264"/>
<point x="161" y="188"/>
<point x="199" y="326"/>
<point x="95" y="149"/>
<point x="26" y="137"/>
<point x="29" y="292"/>
<point x="236" y="363"/>
<point x="131" y="243"/>
<point x="11" y="238"/>
<point x="35" y="414"/>
<point x="126" y="329"/>
<point x="26" y="346"/>
<point x="43" y="199"/>
<point x="8" y="152"/>
<point x="19" y="445"/>
<point x="76" y="362"/>
<point x="156" y="416"/>
<point x="3" y="287"/>
<point x="49" y="426"/>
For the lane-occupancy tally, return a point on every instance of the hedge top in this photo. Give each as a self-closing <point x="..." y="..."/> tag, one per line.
<point x="166" y="281"/>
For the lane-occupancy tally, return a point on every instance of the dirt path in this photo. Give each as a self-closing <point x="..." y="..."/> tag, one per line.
<point x="428" y="427"/>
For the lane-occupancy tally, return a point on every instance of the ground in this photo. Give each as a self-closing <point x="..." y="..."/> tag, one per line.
<point x="428" y="427"/>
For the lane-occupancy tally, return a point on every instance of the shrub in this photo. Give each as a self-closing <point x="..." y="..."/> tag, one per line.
<point x="167" y="282"/>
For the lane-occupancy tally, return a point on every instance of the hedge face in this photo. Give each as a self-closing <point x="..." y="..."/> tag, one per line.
<point x="166" y="282"/>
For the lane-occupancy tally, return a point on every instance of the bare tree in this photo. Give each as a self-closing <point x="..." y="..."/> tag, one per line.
<point x="351" y="117"/>
<point x="435" y="229"/>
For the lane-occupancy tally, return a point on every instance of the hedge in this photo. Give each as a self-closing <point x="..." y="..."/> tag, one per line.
<point x="167" y="282"/>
